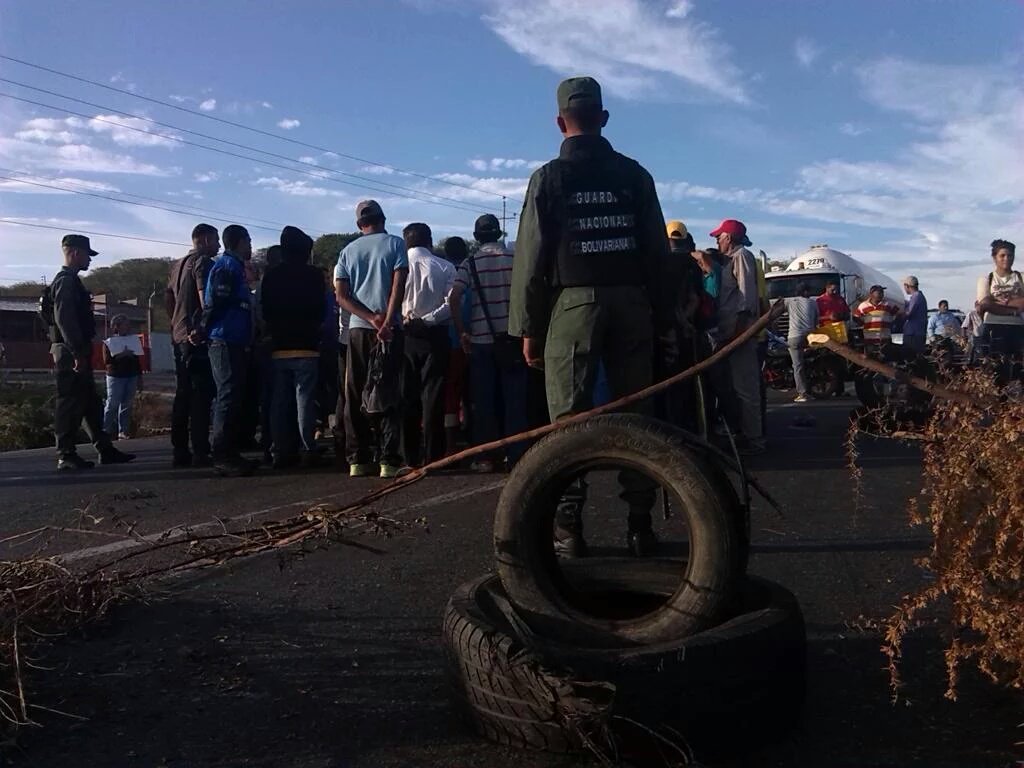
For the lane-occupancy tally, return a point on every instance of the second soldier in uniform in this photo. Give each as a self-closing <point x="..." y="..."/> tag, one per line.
<point x="67" y="312"/>
<point x="588" y="284"/>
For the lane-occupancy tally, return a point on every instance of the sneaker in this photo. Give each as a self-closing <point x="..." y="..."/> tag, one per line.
<point x="390" y="471"/>
<point x="362" y="470"/>
<point x="113" y="456"/>
<point x="73" y="462"/>
<point x="124" y="436"/>
<point x="801" y="399"/>
<point x="483" y="467"/>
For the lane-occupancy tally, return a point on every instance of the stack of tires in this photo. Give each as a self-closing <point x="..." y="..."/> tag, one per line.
<point x="613" y="652"/>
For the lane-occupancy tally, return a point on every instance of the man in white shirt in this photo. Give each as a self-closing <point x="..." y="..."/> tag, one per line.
<point x="803" y="319"/>
<point x="425" y="317"/>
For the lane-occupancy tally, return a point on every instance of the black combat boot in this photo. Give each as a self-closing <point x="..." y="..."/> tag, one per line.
<point x="73" y="461"/>
<point x="569" y="541"/>
<point x="641" y="539"/>
<point x="110" y="455"/>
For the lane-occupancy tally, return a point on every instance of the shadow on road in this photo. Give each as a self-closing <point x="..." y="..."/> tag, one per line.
<point x="189" y="682"/>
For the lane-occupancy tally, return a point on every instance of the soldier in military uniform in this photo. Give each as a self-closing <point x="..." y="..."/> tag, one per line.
<point x="67" y="310"/>
<point x="589" y="283"/>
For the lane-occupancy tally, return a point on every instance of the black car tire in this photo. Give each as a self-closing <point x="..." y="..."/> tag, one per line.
<point x="524" y="520"/>
<point x="746" y="675"/>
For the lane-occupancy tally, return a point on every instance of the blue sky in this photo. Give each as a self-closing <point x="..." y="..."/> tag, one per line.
<point x="893" y="131"/>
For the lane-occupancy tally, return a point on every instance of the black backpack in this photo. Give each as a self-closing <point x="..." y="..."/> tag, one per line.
<point x="46" y="314"/>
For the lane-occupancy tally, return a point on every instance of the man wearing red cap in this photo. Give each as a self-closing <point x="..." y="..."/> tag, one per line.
<point x="738" y="306"/>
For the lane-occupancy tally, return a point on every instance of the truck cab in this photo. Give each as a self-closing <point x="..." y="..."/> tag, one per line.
<point x="819" y="266"/>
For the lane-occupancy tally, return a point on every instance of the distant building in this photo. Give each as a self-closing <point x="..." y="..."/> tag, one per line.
<point x="24" y="336"/>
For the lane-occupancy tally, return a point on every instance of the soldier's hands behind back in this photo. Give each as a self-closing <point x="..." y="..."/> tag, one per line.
<point x="533" y="352"/>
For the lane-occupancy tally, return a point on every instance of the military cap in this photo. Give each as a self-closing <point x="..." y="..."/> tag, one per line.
<point x="77" y="241"/>
<point x="579" y="92"/>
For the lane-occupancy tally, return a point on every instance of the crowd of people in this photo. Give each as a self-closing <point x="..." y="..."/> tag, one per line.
<point x="407" y="346"/>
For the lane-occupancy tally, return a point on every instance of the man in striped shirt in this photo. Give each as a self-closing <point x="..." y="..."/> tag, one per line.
<point x="878" y="315"/>
<point x="487" y="277"/>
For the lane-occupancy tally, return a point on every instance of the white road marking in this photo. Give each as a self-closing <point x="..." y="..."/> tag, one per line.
<point x="177" y="532"/>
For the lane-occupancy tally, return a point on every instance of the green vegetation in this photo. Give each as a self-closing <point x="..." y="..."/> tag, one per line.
<point x="26" y="417"/>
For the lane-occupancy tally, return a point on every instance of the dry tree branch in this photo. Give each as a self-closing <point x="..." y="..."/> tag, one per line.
<point x="973" y="501"/>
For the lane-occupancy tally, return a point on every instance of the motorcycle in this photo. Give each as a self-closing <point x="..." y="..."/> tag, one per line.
<point x="825" y="372"/>
<point x="875" y="390"/>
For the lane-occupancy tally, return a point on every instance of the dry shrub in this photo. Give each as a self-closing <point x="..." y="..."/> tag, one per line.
<point x="40" y="599"/>
<point x="973" y="501"/>
<point x="151" y="413"/>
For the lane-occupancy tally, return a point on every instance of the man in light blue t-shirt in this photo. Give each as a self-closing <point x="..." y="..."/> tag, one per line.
<point x="370" y="283"/>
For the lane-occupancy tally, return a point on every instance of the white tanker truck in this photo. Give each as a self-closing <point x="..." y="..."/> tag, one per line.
<point x="821" y="265"/>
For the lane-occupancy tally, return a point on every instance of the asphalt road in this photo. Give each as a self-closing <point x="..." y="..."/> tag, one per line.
<point x="335" y="659"/>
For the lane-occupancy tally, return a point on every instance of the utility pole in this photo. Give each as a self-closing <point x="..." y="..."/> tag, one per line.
<point x="503" y="214"/>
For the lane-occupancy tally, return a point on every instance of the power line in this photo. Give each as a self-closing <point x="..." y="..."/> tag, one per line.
<point x="88" y="232"/>
<point x="260" y="131"/>
<point x="230" y="143"/>
<point x="321" y="168"/>
<point x="318" y="175"/>
<point x="199" y="210"/>
<point x="190" y="214"/>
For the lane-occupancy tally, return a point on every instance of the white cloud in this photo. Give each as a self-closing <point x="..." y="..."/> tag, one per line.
<point x="632" y="47"/>
<point x="120" y="80"/>
<point x="806" y="51"/>
<point x="120" y="130"/>
<point x="73" y="158"/>
<point x="936" y="201"/>
<point x="208" y="105"/>
<point x="266" y="105"/>
<point x="853" y="129"/>
<point x="39" y="135"/>
<point x="23" y="187"/>
<point x="205" y="178"/>
<point x="503" y="163"/>
<point x="680" y="9"/>
<point x="288" y="123"/>
<point x="296" y="188"/>
<point x="47" y="130"/>
<point x="80" y="157"/>
<point x="376" y="170"/>
<point x="484" y="190"/>
<point x="178" y="99"/>
<point x="307" y="159"/>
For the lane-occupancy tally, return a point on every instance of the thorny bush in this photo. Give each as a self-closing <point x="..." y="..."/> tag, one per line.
<point x="972" y="498"/>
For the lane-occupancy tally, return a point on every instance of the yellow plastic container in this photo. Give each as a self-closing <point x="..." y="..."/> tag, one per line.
<point x="835" y="331"/>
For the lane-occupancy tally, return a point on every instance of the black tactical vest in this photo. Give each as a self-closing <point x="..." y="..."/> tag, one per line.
<point x="595" y="205"/>
<point x="83" y="306"/>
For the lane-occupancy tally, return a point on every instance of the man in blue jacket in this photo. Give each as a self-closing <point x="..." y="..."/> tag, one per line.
<point x="228" y="322"/>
